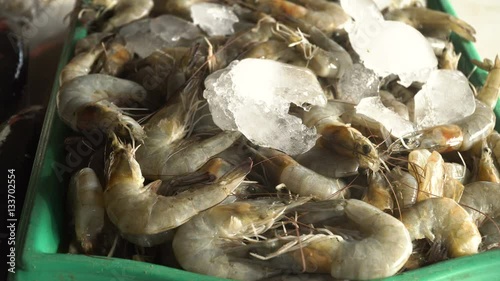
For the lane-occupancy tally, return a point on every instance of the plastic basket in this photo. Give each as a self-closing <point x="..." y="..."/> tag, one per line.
<point x="41" y="231"/>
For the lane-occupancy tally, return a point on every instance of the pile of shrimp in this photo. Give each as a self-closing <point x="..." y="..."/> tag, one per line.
<point x="165" y="185"/>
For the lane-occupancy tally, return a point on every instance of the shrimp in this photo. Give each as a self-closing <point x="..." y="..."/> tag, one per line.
<point x="87" y="207"/>
<point x="449" y="59"/>
<point x="481" y="199"/>
<point x="491" y="234"/>
<point x="115" y="56"/>
<point x="80" y="65"/>
<point x="431" y="20"/>
<point x="378" y="193"/>
<point x="339" y="137"/>
<point x="166" y="152"/>
<point x="486" y="169"/>
<point x="181" y="8"/>
<point x="494" y="143"/>
<point x="428" y="169"/>
<point x="393" y="104"/>
<point x="282" y="169"/>
<point x="144" y="217"/>
<point x="125" y="11"/>
<point x="491" y="89"/>
<point x="328" y="17"/>
<point x="460" y="135"/>
<point x="327" y="163"/>
<point x="405" y="187"/>
<point x="382" y="252"/>
<point x="91" y="102"/>
<point x="442" y="220"/>
<point x="205" y="243"/>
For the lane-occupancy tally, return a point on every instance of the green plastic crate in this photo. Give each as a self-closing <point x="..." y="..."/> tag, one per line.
<point x="42" y="226"/>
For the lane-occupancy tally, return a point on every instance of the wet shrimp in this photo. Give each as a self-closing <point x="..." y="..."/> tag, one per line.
<point x="428" y="169"/>
<point x="181" y="8"/>
<point x="282" y="169"/>
<point x="340" y="137"/>
<point x="91" y="41"/>
<point x="405" y="187"/>
<point x="381" y="252"/>
<point x="460" y="135"/>
<point x="144" y="217"/>
<point x="80" y="64"/>
<point x="378" y="193"/>
<point x="92" y="102"/>
<point x="87" y="207"/>
<point x="166" y="151"/>
<point x="124" y="11"/>
<point x="490" y="91"/>
<point x="449" y="59"/>
<point x="114" y="57"/>
<point x="208" y="243"/>
<point x="327" y="16"/>
<point x="480" y="199"/>
<point x="485" y="168"/>
<point x="431" y="20"/>
<point x="328" y="163"/>
<point x="444" y="221"/>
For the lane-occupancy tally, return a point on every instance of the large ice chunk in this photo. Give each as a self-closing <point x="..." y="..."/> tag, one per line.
<point x="446" y="97"/>
<point x="253" y="96"/>
<point x="389" y="47"/>
<point x="214" y="19"/>
<point x="358" y="82"/>
<point x="373" y="108"/>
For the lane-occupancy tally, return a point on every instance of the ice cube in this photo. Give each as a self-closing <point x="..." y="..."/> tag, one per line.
<point x="143" y="37"/>
<point x="446" y="97"/>
<point x="388" y="47"/>
<point x="358" y="82"/>
<point x="171" y="29"/>
<point x="254" y="96"/>
<point x="214" y="19"/>
<point x="373" y="108"/>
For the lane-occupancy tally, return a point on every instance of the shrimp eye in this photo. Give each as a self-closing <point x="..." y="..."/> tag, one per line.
<point x="366" y="149"/>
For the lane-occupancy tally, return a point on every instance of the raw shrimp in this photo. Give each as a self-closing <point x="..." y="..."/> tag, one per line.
<point x="166" y="153"/>
<point x="428" y="169"/>
<point x="87" y="208"/>
<point x="327" y="163"/>
<point x="491" y="89"/>
<point x="405" y="187"/>
<point x="282" y="169"/>
<point x="181" y="8"/>
<point x="126" y="11"/>
<point x="491" y="234"/>
<point x="339" y="137"/>
<point x="208" y="243"/>
<point x="494" y="143"/>
<point x="442" y="220"/>
<point x="449" y="59"/>
<point x="460" y="135"/>
<point x="378" y="192"/>
<point x="431" y="20"/>
<point x="485" y="168"/>
<point x="114" y="58"/>
<point x="384" y="248"/>
<point x="393" y="104"/>
<point x="327" y="16"/>
<point x="80" y="65"/>
<point x="480" y="199"/>
<point x="144" y="217"/>
<point x="91" y="102"/>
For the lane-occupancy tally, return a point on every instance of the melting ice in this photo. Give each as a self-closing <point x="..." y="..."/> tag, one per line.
<point x="253" y="96"/>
